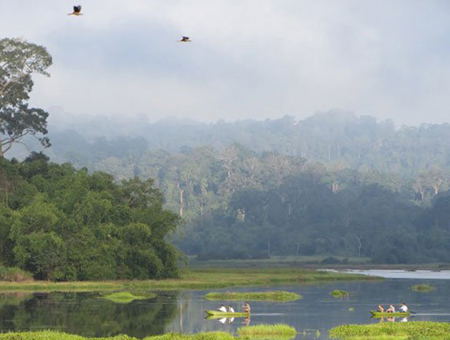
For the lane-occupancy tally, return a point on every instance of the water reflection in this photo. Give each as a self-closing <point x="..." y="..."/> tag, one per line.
<point x="312" y="317"/>
<point x="386" y="319"/>
<point x="85" y="314"/>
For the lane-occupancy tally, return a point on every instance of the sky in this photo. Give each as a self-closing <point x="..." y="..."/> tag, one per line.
<point x="254" y="59"/>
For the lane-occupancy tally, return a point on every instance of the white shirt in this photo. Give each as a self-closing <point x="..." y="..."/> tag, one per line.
<point x="404" y="308"/>
<point x="230" y="309"/>
<point x="223" y="309"/>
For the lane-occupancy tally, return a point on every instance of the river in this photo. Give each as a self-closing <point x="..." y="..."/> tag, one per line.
<point x="313" y="316"/>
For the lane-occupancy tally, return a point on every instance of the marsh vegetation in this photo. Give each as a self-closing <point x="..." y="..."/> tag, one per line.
<point x="337" y="293"/>
<point x="425" y="288"/>
<point x="279" y="296"/>
<point x="267" y="331"/>
<point x="402" y="330"/>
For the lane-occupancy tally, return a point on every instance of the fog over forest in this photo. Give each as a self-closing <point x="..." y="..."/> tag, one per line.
<point x="333" y="184"/>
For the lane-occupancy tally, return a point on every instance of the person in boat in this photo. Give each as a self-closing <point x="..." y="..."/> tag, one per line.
<point x="391" y="309"/>
<point x="230" y="309"/>
<point x="380" y="308"/>
<point x="247" y="308"/>
<point x="404" y="308"/>
<point x="222" y="308"/>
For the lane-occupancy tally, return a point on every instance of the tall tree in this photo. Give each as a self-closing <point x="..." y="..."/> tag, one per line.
<point x="18" y="61"/>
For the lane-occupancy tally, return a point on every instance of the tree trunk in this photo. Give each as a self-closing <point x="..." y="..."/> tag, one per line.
<point x="181" y="200"/>
<point x="358" y="238"/>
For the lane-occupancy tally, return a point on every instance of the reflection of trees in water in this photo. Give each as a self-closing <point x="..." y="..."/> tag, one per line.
<point x="14" y="299"/>
<point x="85" y="314"/>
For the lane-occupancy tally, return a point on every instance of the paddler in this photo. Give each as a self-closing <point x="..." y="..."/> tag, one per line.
<point x="380" y="308"/>
<point x="230" y="309"/>
<point x="247" y="308"/>
<point x="391" y="309"/>
<point x="404" y="308"/>
<point x="222" y="308"/>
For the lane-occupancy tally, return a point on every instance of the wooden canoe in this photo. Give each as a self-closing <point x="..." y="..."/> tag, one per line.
<point x="220" y="314"/>
<point x="377" y="314"/>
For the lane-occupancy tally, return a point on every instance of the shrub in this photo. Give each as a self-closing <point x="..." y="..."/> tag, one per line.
<point x="14" y="274"/>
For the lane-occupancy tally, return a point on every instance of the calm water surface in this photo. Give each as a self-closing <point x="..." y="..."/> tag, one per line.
<point x="88" y="315"/>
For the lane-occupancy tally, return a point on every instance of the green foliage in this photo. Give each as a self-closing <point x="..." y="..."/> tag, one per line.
<point x="54" y="335"/>
<point x="14" y="274"/>
<point x="278" y="296"/>
<point x="75" y="226"/>
<point x="264" y="331"/>
<point x="425" y="288"/>
<point x="198" y="336"/>
<point x="337" y="293"/>
<point x="407" y="330"/>
<point x="18" y="61"/>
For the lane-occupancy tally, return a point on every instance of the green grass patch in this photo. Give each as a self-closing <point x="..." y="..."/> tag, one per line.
<point x="52" y="335"/>
<point x="279" y="296"/>
<point x="199" y="278"/>
<point x="198" y="336"/>
<point x="263" y="331"/>
<point x="126" y="297"/>
<point x="337" y="293"/>
<point x="425" y="288"/>
<point x="398" y="330"/>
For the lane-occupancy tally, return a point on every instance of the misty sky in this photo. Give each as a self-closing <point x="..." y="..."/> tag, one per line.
<point x="248" y="59"/>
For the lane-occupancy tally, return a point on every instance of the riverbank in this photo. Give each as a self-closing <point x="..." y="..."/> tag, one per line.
<point x="316" y="262"/>
<point x="198" y="278"/>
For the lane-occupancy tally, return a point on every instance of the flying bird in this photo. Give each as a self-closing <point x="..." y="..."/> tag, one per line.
<point x="184" y="39"/>
<point x="76" y="10"/>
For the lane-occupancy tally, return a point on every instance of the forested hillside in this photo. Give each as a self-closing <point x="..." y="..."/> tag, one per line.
<point x="305" y="215"/>
<point x="60" y="223"/>
<point x="331" y="184"/>
<point x="343" y="139"/>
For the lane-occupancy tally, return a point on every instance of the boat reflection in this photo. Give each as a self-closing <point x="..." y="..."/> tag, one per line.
<point x="245" y="321"/>
<point x="393" y="319"/>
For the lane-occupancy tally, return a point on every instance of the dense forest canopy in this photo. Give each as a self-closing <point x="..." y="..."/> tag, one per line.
<point x="60" y="223"/>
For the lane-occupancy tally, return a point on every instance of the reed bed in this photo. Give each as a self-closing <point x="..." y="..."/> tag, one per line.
<point x="398" y="330"/>
<point x="198" y="336"/>
<point x="278" y="296"/>
<point x="265" y="331"/>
